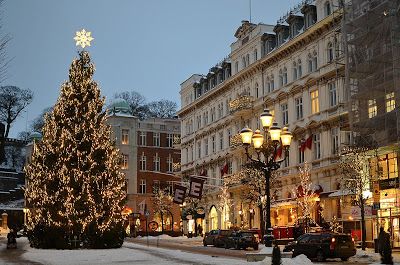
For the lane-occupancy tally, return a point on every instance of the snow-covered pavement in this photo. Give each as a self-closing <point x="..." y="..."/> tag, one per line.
<point x="133" y="253"/>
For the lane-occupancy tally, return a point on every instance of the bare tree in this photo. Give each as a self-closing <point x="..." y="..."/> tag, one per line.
<point x="137" y="103"/>
<point x="162" y="203"/>
<point x="38" y="122"/>
<point x="12" y="101"/>
<point x="4" y="40"/>
<point x="356" y="179"/>
<point x="305" y="195"/>
<point x="162" y="108"/>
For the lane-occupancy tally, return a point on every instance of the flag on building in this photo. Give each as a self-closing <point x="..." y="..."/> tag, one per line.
<point x="308" y="142"/>
<point x="224" y="169"/>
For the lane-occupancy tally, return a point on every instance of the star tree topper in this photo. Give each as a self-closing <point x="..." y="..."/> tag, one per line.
<point x="83" y="38"/>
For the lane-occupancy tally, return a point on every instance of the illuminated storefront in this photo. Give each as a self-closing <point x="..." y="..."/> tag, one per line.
<point x="385" y="169"/>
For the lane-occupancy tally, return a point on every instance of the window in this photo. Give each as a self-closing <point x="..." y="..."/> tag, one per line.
<point x="255" y="55"/>
<point x="310" y="63"/>
<point x="294" y="71"/>
<point x="206" y="146"/>
<point x="221" y="141"/>
<point x="156" y="162"/>
<point x="124" y="136"/>
<point x="317" y="146"/>
<point x="243" y="62"/>
<point x="212" y="114"/>
<point x="280" y="78"/>
<point x="315" y="61"/>
<point x="156" y="139"/>
<point x="247" y="60"/>
<point x="236" y="66"/>
<point x="229" y="136"/>
<point x="198" y="149"/>
<point x="170" y="187"/>
<point x="314" y="102"/>
<point x="335" y="140"/>
<point x="198" y="119"/>
<point x="143" y="162"/>
<point x="372" y="108"/>
<point x="285" y="76"/>
<point x="298" y="102"/>
<point x="142" y="186"/>
<point x="213" y="144"/>
<point x="286" y="162"/>
<point x="328" y="9"/>
<point x="124" y="164"/>
<point x="285" y="115"/>
<point x="390" y="102"/>
<point x="299" y="70"/>
<point x="332" y="94"/>
<point x="256" y="90"/>
<point x="170" y="163"/>
<point x="300" y="155"/>
<point x="143" y="138"/>
<point x="163" y="127"/>
<point x="384" y="166"/>
<point x="156" y="184"/>
<point x="170" y="140"/>
<point x="330" y="53"/>
<point x="205" y="117"/>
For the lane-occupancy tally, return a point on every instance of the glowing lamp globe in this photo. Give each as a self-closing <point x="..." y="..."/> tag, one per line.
<point x="275" y="132"/>
<point x="266" y="119"/>
<point x="258" y="139"/>
<point x="246" y="133"/>
<point x="286" y="136"/>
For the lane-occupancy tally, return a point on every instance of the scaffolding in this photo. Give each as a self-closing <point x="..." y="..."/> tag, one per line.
<point x="371" y="32"/>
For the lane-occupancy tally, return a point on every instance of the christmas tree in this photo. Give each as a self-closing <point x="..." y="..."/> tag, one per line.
<point x="75" y="190"/>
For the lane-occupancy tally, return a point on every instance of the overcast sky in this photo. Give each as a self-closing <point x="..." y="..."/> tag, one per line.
<point x="149" y="46"/>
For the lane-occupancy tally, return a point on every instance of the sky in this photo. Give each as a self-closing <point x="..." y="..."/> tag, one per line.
<point x="149" y="46"/>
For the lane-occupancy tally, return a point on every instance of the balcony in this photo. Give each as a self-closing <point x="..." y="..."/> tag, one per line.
<point x="241" y="104"/>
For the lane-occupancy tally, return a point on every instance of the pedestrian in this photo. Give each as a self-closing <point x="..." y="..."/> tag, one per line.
<point x="200" y="230"/>
<point x="384" y="247"/>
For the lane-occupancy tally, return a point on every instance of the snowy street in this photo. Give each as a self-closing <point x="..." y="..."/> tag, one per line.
<point x="170" y="251"/>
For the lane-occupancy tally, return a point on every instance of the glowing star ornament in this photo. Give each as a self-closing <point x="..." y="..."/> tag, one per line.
<point x="83" y="38"/>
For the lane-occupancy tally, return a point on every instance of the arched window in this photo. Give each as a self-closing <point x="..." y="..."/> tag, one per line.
<point x="294" y="71"/>
<point x="310" y="63"/>
<point x="299" y="70"/>
<point x="256" y="90"/>
<point x="315" y="61"/>
<point x="328" y="8"/>
<point x="285" y="76"/>
<point x="330" y="54"/>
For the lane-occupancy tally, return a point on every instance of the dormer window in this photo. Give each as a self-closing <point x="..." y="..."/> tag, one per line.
<point x="327" y="8"/>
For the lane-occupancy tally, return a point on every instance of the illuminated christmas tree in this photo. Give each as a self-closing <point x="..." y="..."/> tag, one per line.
<point x="75" y="190"/>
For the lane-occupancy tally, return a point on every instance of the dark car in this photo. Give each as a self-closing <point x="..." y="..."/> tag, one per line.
<point x="216" y="237"/>
<point x="321" y="246"/>
<point x="242" y="240"/>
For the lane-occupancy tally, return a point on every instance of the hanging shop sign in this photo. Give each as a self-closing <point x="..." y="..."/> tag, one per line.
<point x="196" y="187"/>
<point x="179" y="194"/>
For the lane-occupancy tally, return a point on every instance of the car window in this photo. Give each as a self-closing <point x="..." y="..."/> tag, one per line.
<point x="303" y="239"/>
<point x="326" y="238"/>
<point x="315" y="239"/>
<point x="213" y="232"/>
<point x="225" y="232"/>
<point x="343" y="238"/>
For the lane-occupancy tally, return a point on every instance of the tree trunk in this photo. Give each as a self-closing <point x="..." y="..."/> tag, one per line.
<point x="363" y="231"/>
<point x="162" y="222"/>
<point x="8" y="125"/>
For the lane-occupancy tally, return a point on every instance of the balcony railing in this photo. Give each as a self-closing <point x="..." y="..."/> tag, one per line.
<point x="241" y="103"/>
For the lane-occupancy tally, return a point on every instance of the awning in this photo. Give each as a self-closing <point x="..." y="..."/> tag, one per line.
<point x="340" y="193"/>
<point x="283" y="203"/>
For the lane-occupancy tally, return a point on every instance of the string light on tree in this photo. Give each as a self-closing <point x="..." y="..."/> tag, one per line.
<point x="75" y="188"/>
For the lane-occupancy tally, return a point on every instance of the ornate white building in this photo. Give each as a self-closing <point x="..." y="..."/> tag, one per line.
<point x="295" y="69"/>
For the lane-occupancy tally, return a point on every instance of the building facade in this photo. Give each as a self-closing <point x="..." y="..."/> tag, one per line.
<point x="148" y="158"/>
<point x="295" y="69"/>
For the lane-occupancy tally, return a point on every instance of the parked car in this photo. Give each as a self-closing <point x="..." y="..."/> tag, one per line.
<point x="289" y="247"/>
<point x="321" y="246"/>
<point x="242" y="240"/>
<point x="216" y="237"/>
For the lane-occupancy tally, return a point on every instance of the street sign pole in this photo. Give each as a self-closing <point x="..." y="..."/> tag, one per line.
<point x="147" y="213"/>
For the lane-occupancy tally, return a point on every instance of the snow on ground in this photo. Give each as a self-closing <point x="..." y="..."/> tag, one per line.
<point x="132" y="253"/>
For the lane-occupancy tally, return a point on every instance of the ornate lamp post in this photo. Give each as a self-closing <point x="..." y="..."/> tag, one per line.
<point x="265" y="146"/>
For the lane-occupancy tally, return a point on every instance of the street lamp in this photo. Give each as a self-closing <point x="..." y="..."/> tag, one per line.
<point x="266" y="143"/>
